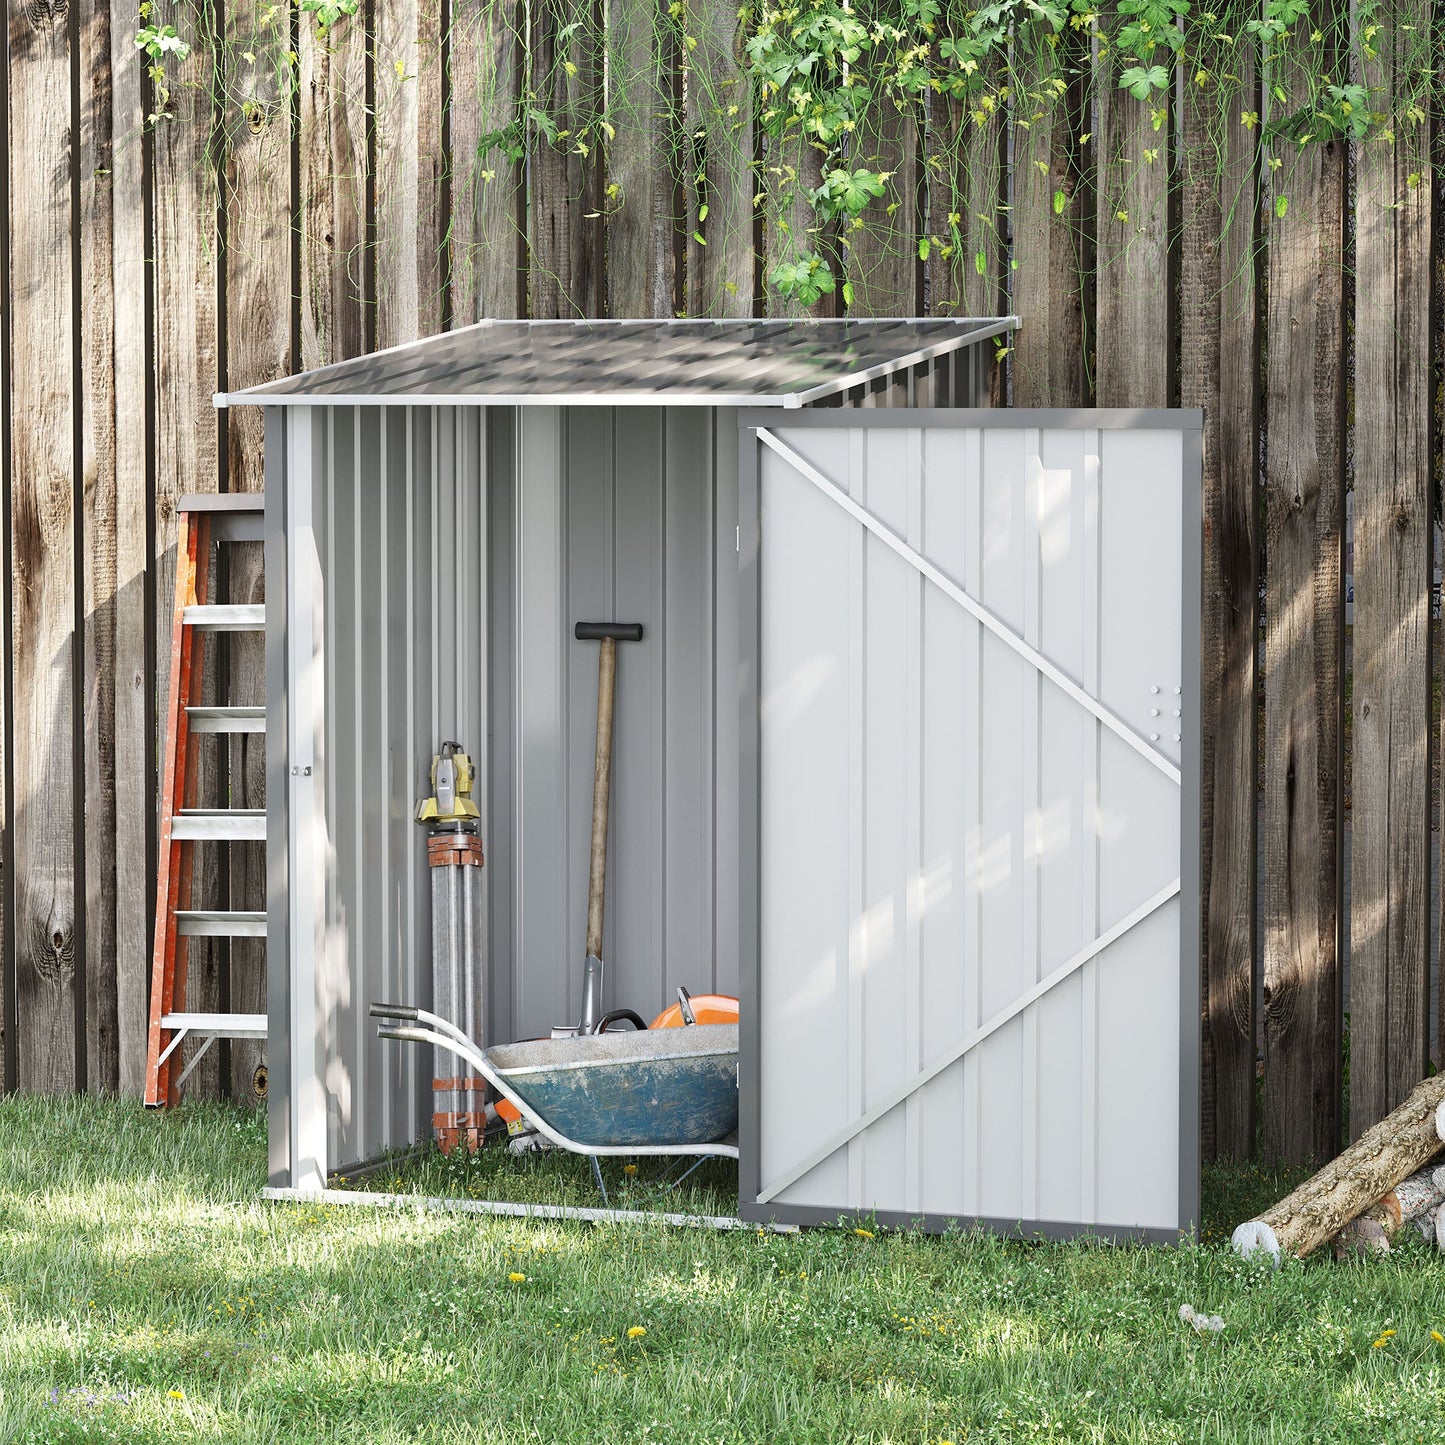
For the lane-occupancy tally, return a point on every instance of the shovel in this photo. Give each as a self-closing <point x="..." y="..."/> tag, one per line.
<point x="593" y="1020"/>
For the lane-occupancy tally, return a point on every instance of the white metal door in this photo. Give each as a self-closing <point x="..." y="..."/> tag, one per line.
<point x="973" y="798"/>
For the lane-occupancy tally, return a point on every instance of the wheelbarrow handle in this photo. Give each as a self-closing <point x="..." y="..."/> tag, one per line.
<point x="394" y="1011"/>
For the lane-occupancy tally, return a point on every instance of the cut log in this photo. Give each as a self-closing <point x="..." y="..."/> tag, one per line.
<point x="1417" y="1197"/>
<point x="1368" y="1170"/>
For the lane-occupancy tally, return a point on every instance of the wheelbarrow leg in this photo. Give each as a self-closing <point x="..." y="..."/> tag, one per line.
<point x="597" y="1175"/>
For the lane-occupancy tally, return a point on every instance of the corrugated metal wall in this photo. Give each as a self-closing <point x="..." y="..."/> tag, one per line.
<point x="624" y="514"/>
<point x="941" y="827"/>
<point x="398" y="498"/>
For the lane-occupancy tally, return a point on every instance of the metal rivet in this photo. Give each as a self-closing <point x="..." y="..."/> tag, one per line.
<point x="1153" y="712"/>
<point x="305" y="772"/>
<point x="1176" y="692"/>
<point x="1176" y="737"/>
<point x="1177" y="713"/>
<point x="295" y="772"/>
<point x="1153" y="737"/>
<point x="1152" y="688"/>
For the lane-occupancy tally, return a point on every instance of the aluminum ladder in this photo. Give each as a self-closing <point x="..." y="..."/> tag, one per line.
<point x="200" y="520"/>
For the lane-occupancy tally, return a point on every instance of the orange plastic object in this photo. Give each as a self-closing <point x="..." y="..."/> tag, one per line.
<point x="708" y="1008"/>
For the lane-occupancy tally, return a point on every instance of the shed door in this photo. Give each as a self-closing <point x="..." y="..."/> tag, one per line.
<point x="974" y="806"/>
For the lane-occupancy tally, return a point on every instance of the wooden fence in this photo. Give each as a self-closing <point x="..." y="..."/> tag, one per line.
<point x="275" y="218"/>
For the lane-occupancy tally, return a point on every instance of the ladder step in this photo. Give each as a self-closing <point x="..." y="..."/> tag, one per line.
<point x="203" y="923"/>
<point x="227" y="616"/>
<point x="227" y="719"/>
<point x="220" y="824"/>
<point x="218" y="1026"/>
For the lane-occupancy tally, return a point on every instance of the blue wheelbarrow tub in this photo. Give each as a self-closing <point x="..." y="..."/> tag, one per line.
<point x="644" y="1088"/>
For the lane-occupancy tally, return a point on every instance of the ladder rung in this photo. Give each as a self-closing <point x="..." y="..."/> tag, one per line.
<point x="226" y="719"/>
<point x="218" y="1026"/>
<point x="227" y="616"/>
<point x="203" y="923"/>
<point x="219" y="824"/>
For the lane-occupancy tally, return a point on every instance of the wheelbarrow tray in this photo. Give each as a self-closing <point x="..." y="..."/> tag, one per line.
<point x="645" y="1089"/>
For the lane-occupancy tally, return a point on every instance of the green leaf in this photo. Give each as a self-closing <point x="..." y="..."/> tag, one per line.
<point x="1281" y="205"/>
<point x="923" y="249"/>
<point x="980" y="262"/>
<point x="702" y="212"/>
<point x="847" y="293"/>
<point x="1060" y="201"/>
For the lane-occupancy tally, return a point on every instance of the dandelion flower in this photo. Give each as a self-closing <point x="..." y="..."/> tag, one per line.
<point x="629" y="1169"/>
<point x="177" y="1394"/>
<point x="864" y="1233"/>
<point x="636" y="1332"/>
<point x="516" y="1278"/>
<point x="1437" y="1337"/>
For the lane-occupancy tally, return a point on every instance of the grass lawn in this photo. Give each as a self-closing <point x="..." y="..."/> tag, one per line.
<point x="147" y="1295"/>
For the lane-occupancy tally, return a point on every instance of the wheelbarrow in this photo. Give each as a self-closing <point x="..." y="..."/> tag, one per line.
<point x="668" y="1092"/>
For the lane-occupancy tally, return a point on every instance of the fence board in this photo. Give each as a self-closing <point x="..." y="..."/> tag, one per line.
<point x="564" y="240"/>
<point x="133" y="811"/>
<point x="259" y="348"/>
<point x="793" y="170"/>
<point x="488" y="262"/>
<point x="1052" y="258"/>
<point x="719" y="143"/>
<point x="642" y="227"/>
<point x="187" y="374"/>
<point x="332" y="143"/>
<point x="1219" y="347"/>
<point x="410" y="209"/>
<point x="99" y="546"/>
<point x="1390" y="787"/>
<point x="1304" y="502"/>
<point x="42" y="501"/>
<point x="1133" y="348"/>
<point x="967" y="255"/>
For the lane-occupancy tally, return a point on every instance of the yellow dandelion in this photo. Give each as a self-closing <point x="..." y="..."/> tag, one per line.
<point x="517" y="1278"/>
<point x="629" y="1169"/>
<point x="636" y="1332"/>
<point x="1385" y="1334"/>
<point x="864" y="1233"/>
<point x="177" y="1394"/>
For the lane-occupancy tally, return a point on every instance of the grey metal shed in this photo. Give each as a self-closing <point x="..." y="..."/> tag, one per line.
<point x="889" y="767"/>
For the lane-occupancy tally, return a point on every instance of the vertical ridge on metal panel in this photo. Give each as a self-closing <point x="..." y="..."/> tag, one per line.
<point x="1134" y="354"/>
<point x="1051" y="265"/>
<point x="133" y="815"/>
<point x="410" y="209"/>
<point x="334" y="166"/>
<point x="101" y="543"/>
<point x="1392" y="645"/>
<point x="259" y="349"/>
<point x="913" y="860"/>
<point x="1303" y="641"/>
<point x="1219" y="348"/>
<point x="642" y="231"/>
<point x="43" y="824"/>
<point x="856" y="916"/>
<point x="1091" y="539"/>
<point x="187" y="371"/>
<point x="280" y="1155"/>
<point x="724" y="463"/>
<point x="720" y="173"/>
<point x="501" y="733"/>
<point x="487" y="260"/>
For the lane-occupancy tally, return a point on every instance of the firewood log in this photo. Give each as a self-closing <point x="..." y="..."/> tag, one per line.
<point x="1368" y="1170"/>
<point x="1412" y="1199"/>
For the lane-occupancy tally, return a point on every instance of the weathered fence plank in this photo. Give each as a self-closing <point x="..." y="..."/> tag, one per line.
<point x="410" y="205"/>
<point x="1304" y="504"/>
<point x="1390" y="785"/>
<point x="1133" y="346"/>
<point x="336" y="265"/>
<point x="187" y="373"/>
<point x="642" y="227"/>
<point x="1050" y="283"/>
<point x="99" y="548"/>
<point x="1219" y="347"/>
<point x="43" y="582"/>
<point x="133" y="792"/>
<point x="565" y="244"/>
<point x="488" y="262"/>
<point x="720" y="174"/>
<point x="259" y="348"/>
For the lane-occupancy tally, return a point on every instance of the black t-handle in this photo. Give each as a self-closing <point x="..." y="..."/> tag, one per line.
<point x="600" y="631"/>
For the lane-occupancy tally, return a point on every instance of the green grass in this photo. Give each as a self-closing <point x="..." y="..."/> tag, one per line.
<point x="147" y="1295"/>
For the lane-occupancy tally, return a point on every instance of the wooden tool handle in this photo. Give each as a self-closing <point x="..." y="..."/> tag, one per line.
<point x="601" y="790"/>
